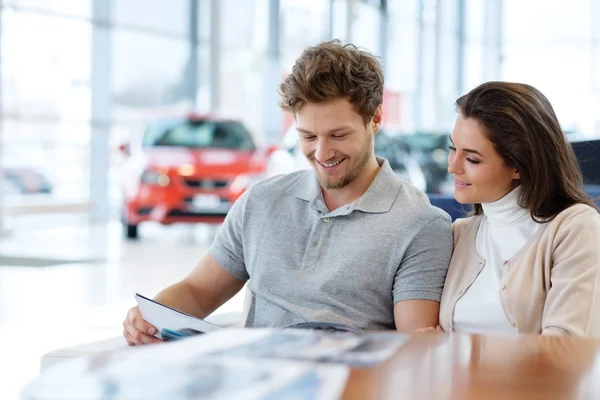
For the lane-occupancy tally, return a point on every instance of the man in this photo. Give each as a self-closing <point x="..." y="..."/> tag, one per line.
<point x="348" y="242"/>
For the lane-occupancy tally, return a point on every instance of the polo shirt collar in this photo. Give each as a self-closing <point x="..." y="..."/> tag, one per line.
<point x="379" y="197"/>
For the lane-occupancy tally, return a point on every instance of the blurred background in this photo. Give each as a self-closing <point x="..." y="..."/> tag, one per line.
<point x="118" y="113"/>
<point x="80" y="77"/>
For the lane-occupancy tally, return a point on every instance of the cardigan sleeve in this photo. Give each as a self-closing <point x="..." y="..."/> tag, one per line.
<point x="572" y="303"/>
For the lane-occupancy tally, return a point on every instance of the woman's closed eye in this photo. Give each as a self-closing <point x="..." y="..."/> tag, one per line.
<point x="469" y="159"/>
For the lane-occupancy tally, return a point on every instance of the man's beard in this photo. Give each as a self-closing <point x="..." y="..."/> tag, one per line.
<point x="347" y="178"/>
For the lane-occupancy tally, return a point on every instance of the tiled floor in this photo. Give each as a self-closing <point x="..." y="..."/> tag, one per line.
<point x="45" y="308"/>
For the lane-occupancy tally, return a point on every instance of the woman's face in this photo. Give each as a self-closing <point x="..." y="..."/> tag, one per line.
<point x="480" y="174"/>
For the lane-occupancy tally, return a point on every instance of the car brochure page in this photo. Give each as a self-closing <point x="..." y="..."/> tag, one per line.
<point x="170" y="323"/>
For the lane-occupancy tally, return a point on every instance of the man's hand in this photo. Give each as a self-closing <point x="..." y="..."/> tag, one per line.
<point x="136" y="330"/>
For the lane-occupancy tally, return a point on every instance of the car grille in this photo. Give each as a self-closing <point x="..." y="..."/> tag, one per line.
<point x="206" y="183"/>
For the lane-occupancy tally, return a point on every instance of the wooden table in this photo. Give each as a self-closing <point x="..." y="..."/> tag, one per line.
<point x="438" y="366"/>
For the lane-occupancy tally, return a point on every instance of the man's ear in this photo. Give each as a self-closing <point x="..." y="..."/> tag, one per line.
<point x="377" y="118"/>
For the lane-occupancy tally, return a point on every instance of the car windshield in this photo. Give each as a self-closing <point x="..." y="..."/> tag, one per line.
<point x="198" y="134"/>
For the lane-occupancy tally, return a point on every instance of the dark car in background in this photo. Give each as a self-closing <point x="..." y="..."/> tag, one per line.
<point x="188" y="169"/>
<point x="401" y="161"/>
<point x="430" y="149"/>
<point x="588" y="155"/>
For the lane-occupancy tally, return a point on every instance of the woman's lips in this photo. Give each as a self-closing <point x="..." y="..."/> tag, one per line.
<point x="460" y="184"/>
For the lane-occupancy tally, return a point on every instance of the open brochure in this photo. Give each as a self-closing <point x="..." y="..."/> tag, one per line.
<point x="314" y="346"/>
<point x="184" y="369"/>
<point x="170" y="323"/>
<point x="265" y="364"/>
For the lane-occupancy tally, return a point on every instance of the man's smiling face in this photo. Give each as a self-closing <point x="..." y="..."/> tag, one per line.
<point x="334" y="138"/>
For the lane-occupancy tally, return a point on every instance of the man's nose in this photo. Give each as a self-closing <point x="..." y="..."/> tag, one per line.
<point x="323" y="150"/>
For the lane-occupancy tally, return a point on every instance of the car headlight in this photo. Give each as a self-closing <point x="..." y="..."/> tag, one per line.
<point x="186" y="170"/>
<point x="245" y="181"/>
<point x="155" y="178"/>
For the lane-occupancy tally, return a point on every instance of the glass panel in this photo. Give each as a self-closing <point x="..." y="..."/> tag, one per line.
<point x="428" y="95"/>
<point x="447" y="79"/>
<point x="303" y="24"/>
<point x="366" y="27"/>
<point x="473" y="66"/>
<point x="448" y="13"/>
<point x="533" y="21"/>
<point x="203" y="92"/>
<point x="572" y="96"/>
<point x="239" y="24"/>
<point x="596" y="69"/>
<point x="403" y="10"/>
<point x="402" y="55"/>
<point x="475" y="20"/>
<point x="555" y="51"/>
<point x="157" y="15"/>
<point x="204" y="20"/>
<point x="402" y="61"/>
<point x="80" y="8"/>
<point x="243" y="62"/>
<point x="148" y="73"/>
<point x="45" y="75"/>
<point x="32" y="149"/>
<point x="340" y="17"/>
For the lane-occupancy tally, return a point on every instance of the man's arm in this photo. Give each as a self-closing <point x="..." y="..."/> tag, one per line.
<point x="410" y="315"/>
<point x="218" y="276"/>
<point x="421" y="275"/>
<point x="207" y="287"/>
<point x="204" y="290"/>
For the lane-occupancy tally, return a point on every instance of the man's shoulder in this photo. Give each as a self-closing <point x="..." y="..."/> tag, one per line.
<point x="274" y="187"/>
<point x="413" y="202"/>
<point x="281" y="182"/>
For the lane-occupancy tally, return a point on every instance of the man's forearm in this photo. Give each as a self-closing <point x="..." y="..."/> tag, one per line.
<point x="415" y="314"/>
<point x="181" y="296"/>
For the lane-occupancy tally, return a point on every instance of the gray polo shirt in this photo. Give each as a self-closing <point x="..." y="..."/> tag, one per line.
<point x="350" y="265"/>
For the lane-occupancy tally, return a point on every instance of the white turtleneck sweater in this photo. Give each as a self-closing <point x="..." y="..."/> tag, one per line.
<point x="505" y="228"/>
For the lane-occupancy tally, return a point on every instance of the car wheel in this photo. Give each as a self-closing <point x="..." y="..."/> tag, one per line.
<point x="131" y="231"/>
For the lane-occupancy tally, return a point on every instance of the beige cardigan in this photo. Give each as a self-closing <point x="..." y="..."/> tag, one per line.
<point x="550" y="286"/>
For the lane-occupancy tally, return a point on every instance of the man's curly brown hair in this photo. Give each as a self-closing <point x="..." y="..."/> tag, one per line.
<point x="330" y="71"/>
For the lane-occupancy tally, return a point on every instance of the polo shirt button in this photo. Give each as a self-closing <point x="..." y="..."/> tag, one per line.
<point x="326" y="219"/>
<point x="502" y="287"/>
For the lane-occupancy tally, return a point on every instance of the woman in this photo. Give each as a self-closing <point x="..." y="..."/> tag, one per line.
<point x="527" y="260"/>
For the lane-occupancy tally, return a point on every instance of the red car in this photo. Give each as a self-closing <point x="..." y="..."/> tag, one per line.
<point x="188" y="169"/>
